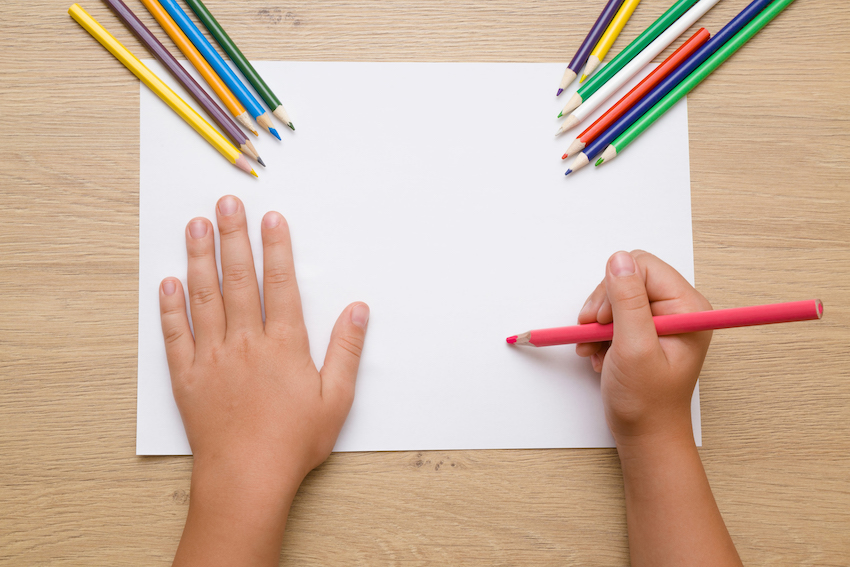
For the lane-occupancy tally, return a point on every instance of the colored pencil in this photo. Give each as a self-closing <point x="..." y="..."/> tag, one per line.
<point x="236" y="135"/>
<point x="636" y="46"/>
<point x="708" y="48"/>
<point x="680" y="323"/>
<point x="590" y="40"/>
<point x="241" y="61"/>
<point x="194" y="56"/>
<point x="695" y="78"/>
<point x="634" y="66"/>
<point x="609" y="37"/>
<point x="647" y="84"/>
<point x="217" y="63"/>
<point x="162" y="90"/>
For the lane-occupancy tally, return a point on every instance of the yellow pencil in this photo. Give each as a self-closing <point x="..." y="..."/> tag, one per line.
<point x="609" y="37"/>
<point x="162" y="90"/>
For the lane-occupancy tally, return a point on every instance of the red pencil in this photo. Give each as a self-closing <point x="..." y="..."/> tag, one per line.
<point x="633" y="96"/>
<point x="680" y="323"/>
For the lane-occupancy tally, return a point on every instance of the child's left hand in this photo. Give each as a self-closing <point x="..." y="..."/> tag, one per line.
<point x="258" y="414"/>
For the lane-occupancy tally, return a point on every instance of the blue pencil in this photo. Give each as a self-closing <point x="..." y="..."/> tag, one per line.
<point x="665" y="86"/>
<point x="216" y="62"/>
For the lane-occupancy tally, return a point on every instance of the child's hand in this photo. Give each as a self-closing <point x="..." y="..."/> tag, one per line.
<point x="258" y="414"/>
<point x="647" y="384"/>
<point x="647" y="381"/>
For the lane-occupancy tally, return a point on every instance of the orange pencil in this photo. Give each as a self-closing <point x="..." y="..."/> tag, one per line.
<point x="194" y="56"/>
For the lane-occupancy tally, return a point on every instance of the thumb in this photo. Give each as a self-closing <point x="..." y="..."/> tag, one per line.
<point x="342" y="360"/>
<point x="634" y="331"/>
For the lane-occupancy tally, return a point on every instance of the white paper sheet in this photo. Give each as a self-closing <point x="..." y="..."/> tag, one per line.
<point x="434" y="192"/>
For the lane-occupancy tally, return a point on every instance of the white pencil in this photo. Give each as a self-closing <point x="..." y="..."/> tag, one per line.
<point x="582" y="109"/>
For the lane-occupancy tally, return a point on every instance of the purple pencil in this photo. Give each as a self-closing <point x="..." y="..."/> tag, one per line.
<point x="580" y="58"/>
<point x="198" y="93"/>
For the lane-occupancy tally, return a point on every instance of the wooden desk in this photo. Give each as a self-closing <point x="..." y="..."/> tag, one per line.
<point x="770" y="163"/>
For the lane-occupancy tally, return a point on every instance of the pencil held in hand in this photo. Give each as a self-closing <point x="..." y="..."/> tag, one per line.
<point x="679" y="323"/>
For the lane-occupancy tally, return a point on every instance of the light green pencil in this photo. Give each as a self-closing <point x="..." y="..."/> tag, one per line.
<point x="692" y="80"/>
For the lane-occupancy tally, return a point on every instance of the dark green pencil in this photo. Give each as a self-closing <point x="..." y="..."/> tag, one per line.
<point x="241" y="61"/>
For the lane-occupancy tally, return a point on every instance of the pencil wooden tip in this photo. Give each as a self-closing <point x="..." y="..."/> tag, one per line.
<point x="570" y="122"/>
<point x="511" y="340"/>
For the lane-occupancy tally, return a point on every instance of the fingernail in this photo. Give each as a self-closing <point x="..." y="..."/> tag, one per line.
<point x="168" y="287"/>
<point x="622" y="264"/>
<point x="227" y="205"/>
<point x="197" y="229"/>
<point x="360" y="315"/>
<point x="271" y="220"/>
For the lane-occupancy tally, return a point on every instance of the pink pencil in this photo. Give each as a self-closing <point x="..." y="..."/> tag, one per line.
<point x="680" y="323"/>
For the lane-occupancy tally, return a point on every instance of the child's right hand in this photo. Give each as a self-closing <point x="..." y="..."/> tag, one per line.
<point x="647" y="380"/>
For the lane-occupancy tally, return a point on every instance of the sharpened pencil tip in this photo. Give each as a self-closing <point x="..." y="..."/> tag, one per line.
<point x="274" y="132"/>
<point x="583" y="77"/>
<point x="254" y="173"/>
<point x="568" y="172"/>
<point x="560" y="114"/>
<point x="559" y="92"/>
<point x="565" y="156"/>
<point x="292" y="127"/>
<point x="260" y="160"/>
<point x="511" y="340"/>
<point x="598" y="162"/>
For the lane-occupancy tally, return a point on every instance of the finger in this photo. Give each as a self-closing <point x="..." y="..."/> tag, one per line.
<point x="238" y="278"/>
<point x="591" y="306"/>
<point x="280" y="288"/>
<point x="605" y="315"/>
<point x="588" y="315"/>
<point x="668" y="291"/>
<point x="587" y="349"/>
<point x="202" y="275"/>
<point x="634" y="330"/>
<point x="179" y="344"/>
<point x="342" y="361"/>
<point x="598" y="358"/>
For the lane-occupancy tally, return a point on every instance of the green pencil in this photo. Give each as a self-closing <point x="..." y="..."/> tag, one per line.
<point x="241" y="61"/>
<point x="692" y="80"/>
<point x="629" y="53"/>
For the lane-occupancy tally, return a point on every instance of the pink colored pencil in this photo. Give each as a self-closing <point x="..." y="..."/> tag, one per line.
<point x="680" y="323"/>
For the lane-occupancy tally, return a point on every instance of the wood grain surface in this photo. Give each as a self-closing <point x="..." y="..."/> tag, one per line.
<point x="770" y="163"/>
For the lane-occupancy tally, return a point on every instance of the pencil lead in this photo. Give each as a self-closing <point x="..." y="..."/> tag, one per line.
<point x="511" y="340"/>
<point x="568" y="172"/>
<point x="259" y="159"/>
<point x="598" y="162"/>
<point x="559" y="92"/>
<point x="560" y="114"/>
<point x="274" y="132"/>
<point x="565" y="156"/>
<point x="292" y="127"/>
<point x="254" y="173"/>
<point x="583" y="77"/>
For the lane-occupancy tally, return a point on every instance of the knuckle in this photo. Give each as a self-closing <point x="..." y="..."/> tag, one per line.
<point x="198" y="250"/>
<point x="278" y="276"/>
<point x="232" y="228"/>
<point x="351" y="345"/>
<point x="173" y="335"/>
<point x="237" y="276"/>
<point x="631" y="297"/>
<point x="203" y="295"/>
